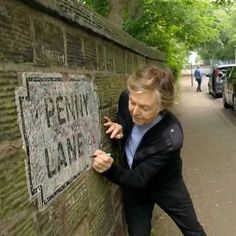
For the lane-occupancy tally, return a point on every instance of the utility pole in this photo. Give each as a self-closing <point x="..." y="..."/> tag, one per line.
<point x="191" y="74"/>
<point x="192" y="60"/>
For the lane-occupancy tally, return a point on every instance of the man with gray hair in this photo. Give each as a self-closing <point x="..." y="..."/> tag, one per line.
<point x="151" y="139"/>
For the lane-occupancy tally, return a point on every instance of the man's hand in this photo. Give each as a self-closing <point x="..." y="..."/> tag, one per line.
<point x="102" y="161"/>
<point x="114" y="129"/>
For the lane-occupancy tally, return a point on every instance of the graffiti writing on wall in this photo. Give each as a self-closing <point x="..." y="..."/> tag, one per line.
<point x="59" y="122"/>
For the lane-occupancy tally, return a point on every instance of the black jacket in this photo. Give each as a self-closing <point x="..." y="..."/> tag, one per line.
<point x="157" y="160"/>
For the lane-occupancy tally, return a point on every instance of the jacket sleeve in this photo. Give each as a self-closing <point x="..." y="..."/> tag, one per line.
<point x="142" y="174"/>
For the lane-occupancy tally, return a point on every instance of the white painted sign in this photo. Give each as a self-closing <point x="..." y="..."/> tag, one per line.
<point x="59" y="122"/>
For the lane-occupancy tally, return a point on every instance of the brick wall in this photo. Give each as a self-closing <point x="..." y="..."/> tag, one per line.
<point x="66" y="38"/>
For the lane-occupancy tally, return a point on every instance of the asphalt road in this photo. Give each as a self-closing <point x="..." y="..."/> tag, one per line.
<point x="209" y="161"/>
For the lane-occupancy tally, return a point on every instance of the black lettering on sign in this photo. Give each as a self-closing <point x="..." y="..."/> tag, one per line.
<point x="70" y="108"/>
<point x="61" y="156"/>
<point x="49" y="171"/>
<point x="60" y="110"/>
<point x="80" y="144"/>
<point x="71" y="149"/>
<point x="81" y="105"/>
<point x="66" y="109"/>
<point x="77" y="106"/>
<point x="74" y="147"/>
<point x="85" y="102"/>
<point x="49" y="109"/>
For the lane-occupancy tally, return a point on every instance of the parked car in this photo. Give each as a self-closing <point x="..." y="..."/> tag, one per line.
<point x="229" y="91"/>
<point x="217" y="78"/>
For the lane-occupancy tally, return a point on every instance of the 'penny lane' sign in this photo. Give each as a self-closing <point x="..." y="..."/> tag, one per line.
<point x="59" y="121"/>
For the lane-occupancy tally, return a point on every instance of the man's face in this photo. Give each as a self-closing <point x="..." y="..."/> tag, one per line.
<point x="144" y="107"/>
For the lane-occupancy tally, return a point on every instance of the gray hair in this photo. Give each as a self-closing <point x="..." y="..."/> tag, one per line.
<point x="152" y="78"/>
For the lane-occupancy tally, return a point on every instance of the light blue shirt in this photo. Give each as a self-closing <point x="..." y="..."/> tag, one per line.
<point x="136" y="137"/>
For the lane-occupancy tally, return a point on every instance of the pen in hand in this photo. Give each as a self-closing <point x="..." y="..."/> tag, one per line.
<point x="93" y="156"/>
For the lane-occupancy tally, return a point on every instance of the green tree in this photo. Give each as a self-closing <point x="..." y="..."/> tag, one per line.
<point x="221" y="47"/>
<point x="111" y="9"/>
<point x="174" y="27"/>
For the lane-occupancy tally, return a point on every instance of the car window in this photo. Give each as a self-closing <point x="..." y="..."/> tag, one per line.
<point x="226" y="70"/>
<point x="222" y="72"/>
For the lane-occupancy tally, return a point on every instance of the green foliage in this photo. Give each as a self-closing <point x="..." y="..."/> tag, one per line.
<point x="223" y="2"/>
<point x="222" y="47"/>
<point x="101" y="7"/>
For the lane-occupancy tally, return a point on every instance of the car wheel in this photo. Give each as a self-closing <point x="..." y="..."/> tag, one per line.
<point x="226" y="105"/>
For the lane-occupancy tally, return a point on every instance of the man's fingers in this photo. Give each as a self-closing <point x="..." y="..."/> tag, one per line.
<point x="98" y="152"/>
<point x="108" y="124"/>
<point x="97" y="168"/>
<point x="115" y="132"/>
<point x="119" y="136"/>
<point x="107" y="120"/>
<point x="111" y="129"/>
<point x="114" y="129"/>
